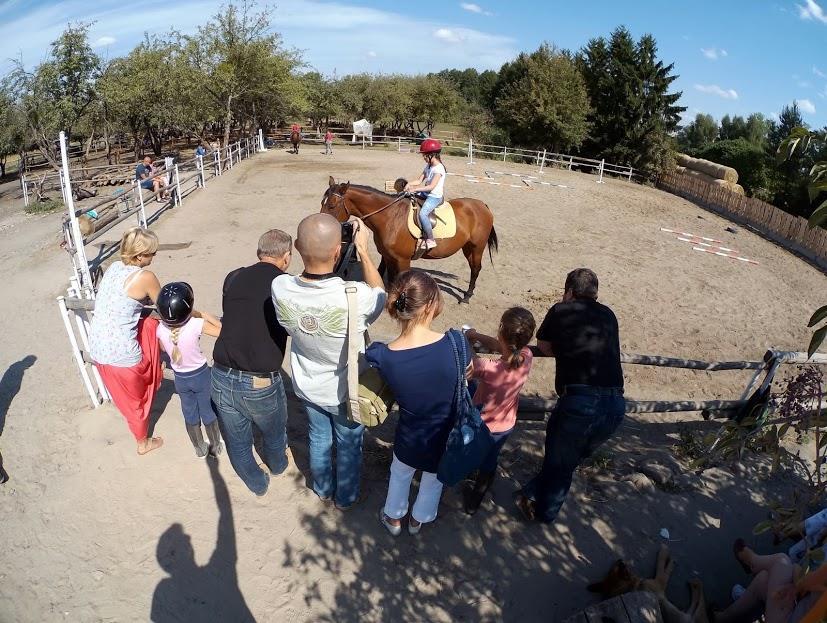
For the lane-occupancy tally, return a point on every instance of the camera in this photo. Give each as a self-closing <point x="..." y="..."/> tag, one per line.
<point x="349" y="267"/>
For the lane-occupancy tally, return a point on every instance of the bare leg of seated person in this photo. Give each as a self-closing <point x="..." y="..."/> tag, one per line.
<point x="773" y="573"/>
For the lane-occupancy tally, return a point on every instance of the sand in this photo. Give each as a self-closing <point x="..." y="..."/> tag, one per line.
<point x="82" y="515"/>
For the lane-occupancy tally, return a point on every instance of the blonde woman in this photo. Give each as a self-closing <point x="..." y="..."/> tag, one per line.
<point x="123" y="345"/>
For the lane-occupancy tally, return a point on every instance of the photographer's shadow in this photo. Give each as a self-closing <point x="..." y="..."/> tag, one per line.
<point x="208" y="593"/>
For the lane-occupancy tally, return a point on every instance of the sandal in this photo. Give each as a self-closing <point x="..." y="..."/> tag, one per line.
<point x="153" y="443"/>
<point x="737" y="547"/>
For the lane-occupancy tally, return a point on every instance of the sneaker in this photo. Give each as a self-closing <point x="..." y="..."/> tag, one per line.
<point x="383" y="518"/>
<point x="413" y="529"/>
<point x="430" y="244"/>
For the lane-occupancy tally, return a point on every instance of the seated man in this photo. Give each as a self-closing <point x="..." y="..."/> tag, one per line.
<point x="146" y="177"/>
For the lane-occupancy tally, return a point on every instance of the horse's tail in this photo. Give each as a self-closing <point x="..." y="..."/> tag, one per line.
<point x="493" y="244"/>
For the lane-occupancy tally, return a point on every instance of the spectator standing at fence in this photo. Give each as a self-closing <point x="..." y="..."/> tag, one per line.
<point x="200" y="150"/>
<point x="420" y="367"/>
<point x="247" y="388"/>
<point x="582" y="335"/>
<point x="122" y="343"/>
<point x="312" y="307"/>
<point x="180" y="334"/>
<point x="499" y="383"/>
<point x="328" y="143"/>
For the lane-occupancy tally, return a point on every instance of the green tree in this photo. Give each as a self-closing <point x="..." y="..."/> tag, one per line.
<point x="700" y="132"/>
<point x="541" y="100"/>
<point x="12" y="129"/>
<point x="733" y="127"/>
<point x="790" y="180"/>
<point x="432" y="100"/>
<point x="633" y="111"/>
<point x="59" y="92"/>
<point x="757" y="129"/>
<point x="752" y="163"/>
<point x="475" y="87"/>
<point x="321" y="100"/>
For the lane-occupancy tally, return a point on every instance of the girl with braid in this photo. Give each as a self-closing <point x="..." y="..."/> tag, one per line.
<point x="498" y="391"/>
<point x="179" y="335"/>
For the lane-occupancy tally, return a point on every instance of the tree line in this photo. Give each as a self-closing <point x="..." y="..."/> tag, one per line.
<point x="750" y="145"/>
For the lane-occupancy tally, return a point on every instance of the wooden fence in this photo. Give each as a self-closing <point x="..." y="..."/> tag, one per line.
<point x="787" y="230"/>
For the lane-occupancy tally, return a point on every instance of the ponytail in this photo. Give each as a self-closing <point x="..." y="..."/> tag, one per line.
<point x="516" y="329"/>
<point x="176" y="352"/>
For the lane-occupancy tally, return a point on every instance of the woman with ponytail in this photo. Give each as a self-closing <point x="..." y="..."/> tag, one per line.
<point x="180" y="334"/>
<point x="420" y="368"/>
<point x="498" y="392"/>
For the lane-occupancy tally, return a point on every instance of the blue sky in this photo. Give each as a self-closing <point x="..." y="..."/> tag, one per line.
<point x="733" y="56"/>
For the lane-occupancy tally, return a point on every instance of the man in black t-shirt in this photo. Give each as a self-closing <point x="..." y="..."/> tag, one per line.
<point x="247" y="387"/>
<point x="582" y="335"/>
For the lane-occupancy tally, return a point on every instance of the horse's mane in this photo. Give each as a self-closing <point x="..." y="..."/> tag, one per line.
<point x="371" y="189"/>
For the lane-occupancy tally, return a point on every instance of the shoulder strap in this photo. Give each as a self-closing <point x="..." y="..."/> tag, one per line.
<point x="129" y="278"/>
<point x="352" y="354"/>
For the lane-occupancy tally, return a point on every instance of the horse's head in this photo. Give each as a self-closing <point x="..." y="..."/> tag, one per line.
<point x="333" y="201"/>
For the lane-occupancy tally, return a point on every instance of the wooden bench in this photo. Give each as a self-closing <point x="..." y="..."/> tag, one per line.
<point x="637" y="607"/>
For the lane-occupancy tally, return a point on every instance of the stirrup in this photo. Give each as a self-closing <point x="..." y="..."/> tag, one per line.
<point x="420" y="250"/>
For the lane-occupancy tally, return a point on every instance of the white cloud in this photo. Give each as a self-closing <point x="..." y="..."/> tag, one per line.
<point x="103" y="41"/>
<point x="811" y="10"/>
<point x="806" y="106"/>
<point x="714" y="89"/>
<point x="336" y="43"/>
<point x="818" y="72"/>
<point x="447" y="35"/>
<point x="372" y="54"/>
<point x="772" y="115"/>
<point x="474" y="8"/>
<point x="713" y="54"/>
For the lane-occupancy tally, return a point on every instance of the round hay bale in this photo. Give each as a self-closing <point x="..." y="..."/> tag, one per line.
<point x="680" y="170"/>
<point x="714" y="169"/>
<point x="700" y="175"/>
<point x="682" y="159"/>
<point x="730" y="186"/>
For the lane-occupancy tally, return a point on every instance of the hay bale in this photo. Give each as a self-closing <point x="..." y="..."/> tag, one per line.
<point x="712" y="169"/>
<point x="680" y="170"/>
<point x="730" y="186"/>
<point x="682" y="159"/>
<point x="700" y="175"/>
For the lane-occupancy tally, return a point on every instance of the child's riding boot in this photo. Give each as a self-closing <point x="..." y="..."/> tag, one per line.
<point x="201" y="447"/>
<point x="214" y="435"/>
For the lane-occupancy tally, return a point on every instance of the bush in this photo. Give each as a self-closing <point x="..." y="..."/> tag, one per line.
<point x="753" y="164"/>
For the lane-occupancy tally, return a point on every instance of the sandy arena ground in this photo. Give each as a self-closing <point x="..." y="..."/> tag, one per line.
<point x="83" y="519"/>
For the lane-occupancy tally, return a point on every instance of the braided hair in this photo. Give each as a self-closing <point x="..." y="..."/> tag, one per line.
<point x="516" y="330"/>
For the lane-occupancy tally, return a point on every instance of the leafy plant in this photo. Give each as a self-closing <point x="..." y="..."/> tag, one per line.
<point x="43" y="207"/>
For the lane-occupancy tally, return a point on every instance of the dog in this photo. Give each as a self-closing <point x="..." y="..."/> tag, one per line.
<point x="621" y="579"/>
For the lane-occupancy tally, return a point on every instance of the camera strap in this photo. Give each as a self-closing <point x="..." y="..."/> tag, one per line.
<point x="354" y="412"/>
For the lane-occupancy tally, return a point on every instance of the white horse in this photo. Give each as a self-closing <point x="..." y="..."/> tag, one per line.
<point x="364" y="128"/>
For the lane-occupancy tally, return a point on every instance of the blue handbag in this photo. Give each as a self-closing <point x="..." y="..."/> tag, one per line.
<point x="469" y="441"/>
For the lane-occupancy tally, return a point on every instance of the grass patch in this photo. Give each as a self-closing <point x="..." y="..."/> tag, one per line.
<point x="43" y="207"/>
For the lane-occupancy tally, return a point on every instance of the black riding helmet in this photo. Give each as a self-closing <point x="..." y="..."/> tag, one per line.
<point x="175" y="303"/>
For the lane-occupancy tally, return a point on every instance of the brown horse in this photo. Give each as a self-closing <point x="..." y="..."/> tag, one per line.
<point x="296" y="140"/>
<point x="387" y="217"/>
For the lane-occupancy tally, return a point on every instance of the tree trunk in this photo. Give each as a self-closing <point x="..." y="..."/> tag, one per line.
<point x="137" y="145"/>
<point x="228" y="118"/>
<point x="2" y="167"/>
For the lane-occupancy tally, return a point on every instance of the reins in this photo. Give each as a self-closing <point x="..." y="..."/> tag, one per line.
<point x="366" y="216"/>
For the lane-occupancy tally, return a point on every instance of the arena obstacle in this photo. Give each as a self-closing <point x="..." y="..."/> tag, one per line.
<point x="722" y="254"/>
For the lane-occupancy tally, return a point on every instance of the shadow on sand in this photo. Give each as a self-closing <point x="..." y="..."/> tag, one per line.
<point x="9" y="387"/>
<point x="208" y="593"/>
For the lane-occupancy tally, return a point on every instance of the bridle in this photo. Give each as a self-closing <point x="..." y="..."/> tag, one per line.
<point x="331" y="193"/>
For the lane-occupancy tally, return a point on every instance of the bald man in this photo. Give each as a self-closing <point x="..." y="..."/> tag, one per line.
<point x="312" y="308"/>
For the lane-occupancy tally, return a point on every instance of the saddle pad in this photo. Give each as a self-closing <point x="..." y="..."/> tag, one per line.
<point x="446" y="224"/>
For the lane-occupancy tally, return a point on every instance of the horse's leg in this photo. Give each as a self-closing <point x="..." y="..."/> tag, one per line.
<point x="473" y="254"/>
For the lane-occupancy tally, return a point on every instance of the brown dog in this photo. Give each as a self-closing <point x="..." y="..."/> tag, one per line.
<point x="621" y="579"/>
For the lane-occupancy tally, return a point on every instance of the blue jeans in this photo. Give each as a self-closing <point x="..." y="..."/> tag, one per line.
<point x="431" y="204"/>
<point x="240" y="406"/>
<point x="489" y="463"/>
<point x="325" y="422"/>
<point x="579" y="425"/>
<point x="194" y="390"/>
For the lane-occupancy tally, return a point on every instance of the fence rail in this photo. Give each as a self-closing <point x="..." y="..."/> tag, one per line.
<point x="787" y="230"/>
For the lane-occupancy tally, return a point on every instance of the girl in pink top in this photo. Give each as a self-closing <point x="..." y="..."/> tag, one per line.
<point x="498" y="392"/>
<point x="179" y="334"/>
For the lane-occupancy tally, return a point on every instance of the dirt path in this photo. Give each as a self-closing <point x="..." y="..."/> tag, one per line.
<point x="83" y="516"/>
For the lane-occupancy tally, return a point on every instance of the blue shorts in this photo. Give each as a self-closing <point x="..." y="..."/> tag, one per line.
<point x="147" y="184"/>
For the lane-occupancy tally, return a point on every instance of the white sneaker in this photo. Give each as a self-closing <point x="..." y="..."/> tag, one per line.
<point x="413" y="529"/>
<point x="394" y="530"/>
<point x="430" y="244"/>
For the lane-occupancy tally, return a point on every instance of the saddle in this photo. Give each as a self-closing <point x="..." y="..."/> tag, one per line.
<point x="442" y="220"/>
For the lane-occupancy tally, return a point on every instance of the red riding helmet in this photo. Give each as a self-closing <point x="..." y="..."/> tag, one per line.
<point x="430" y="146"/>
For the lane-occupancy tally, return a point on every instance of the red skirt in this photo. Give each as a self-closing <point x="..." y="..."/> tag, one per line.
<point x="133" y="389"/>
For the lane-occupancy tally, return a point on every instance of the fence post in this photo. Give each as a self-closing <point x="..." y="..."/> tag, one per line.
<point x="630" y="172"/>
<point x="602" y="163"/>
<point x="363" y="141"/>
<point x="177" y="187"/>
<point x="542" y="161"/>
<point x="25" y="189"/>
<point x="571" y="159"/>
<point x="399" y="142"/>
<point x="216" y="159"/>
<point x="142" y="215"/>
<point x="201" y="177"/>
<point x="470" y="150"/>
<point x="505" y="152"/>
<point x="80" y="251"/>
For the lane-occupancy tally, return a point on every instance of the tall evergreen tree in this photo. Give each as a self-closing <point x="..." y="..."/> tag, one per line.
<point x="634" y="113"/>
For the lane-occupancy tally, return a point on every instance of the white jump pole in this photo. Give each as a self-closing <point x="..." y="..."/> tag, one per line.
<point x="602" y="163"/>
<point x="77" y="237"/>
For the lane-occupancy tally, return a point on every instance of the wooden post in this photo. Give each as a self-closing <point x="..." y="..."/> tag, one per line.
<point x="505" y="152"/>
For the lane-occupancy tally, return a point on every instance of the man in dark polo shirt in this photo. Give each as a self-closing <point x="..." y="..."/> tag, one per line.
<point x="582" y="335"/>
<point x="247" y="388"/>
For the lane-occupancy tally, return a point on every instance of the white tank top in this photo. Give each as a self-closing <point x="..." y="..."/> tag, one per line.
<point x="429" y="172"/>
<point x="113" y="336"/>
